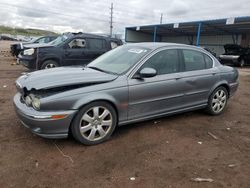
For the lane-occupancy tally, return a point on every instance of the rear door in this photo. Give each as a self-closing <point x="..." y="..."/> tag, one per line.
<point x="199" y="76"/>
<point x="161" y="93"/>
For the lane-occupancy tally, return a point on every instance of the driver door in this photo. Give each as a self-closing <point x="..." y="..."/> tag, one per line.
<point x="161" y="93"/>
<point x="75" y="52"/>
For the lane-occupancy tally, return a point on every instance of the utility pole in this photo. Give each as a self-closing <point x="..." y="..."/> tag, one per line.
<point x="161" y="18"/>
<point x="111" y="19"/>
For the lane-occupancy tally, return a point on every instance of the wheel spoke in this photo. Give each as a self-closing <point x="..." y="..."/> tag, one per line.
<point x="87" y="118"/>
<point x="221" y="93"/>
<point x="217" y="95"/>
<point x="92" y="134"/>
<point x="101" y="131"/>
<point x="223" y="98"/>
<point x="217" y="108"/>
<point x="96" y="112"/>
<point x="85" y="128"/>
<point x="107" y="123"/>
<point x="214" y="106"/>
<point x="104" y="114"/>
<point x="214" y="101"/>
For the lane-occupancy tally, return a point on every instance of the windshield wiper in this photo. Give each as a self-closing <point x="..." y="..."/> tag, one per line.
<point x="101" y="70"/>
<point x="96" y="68"/>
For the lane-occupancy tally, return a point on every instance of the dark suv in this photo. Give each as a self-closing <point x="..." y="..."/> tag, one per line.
<point x="18" y="47"/>
<point x="67" y="49"/>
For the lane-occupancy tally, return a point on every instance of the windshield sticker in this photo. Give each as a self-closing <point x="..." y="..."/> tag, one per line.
<point x="137" y="51"/>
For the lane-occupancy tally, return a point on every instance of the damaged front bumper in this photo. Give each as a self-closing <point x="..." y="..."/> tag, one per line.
<point x="44" y="124"/>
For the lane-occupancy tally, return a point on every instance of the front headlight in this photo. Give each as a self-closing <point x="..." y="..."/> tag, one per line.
<point x="28" y="100"/>
<point x="36" y="103"/>
<point x="29" y="51"/>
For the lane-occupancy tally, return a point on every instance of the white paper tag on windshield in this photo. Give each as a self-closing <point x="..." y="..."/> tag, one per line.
<point x="137" y="51"/>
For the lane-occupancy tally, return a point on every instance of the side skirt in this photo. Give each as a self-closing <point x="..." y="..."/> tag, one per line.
<point x="201" y="106"/>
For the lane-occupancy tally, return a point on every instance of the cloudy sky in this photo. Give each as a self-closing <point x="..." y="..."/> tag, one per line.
<point x="93" y="15"/>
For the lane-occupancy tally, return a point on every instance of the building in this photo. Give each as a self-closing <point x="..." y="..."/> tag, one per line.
<point x="212" y="34"/>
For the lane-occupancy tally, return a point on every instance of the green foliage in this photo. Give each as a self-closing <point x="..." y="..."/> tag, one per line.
<point x="25" y="32"/>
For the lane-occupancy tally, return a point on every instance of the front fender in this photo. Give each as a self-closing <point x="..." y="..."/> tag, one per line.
<point x="117" y="99"/>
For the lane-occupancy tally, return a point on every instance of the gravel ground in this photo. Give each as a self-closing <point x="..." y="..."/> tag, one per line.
<point x="167" y="152"/>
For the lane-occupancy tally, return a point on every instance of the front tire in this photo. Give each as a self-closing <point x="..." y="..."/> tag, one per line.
<point x="49" y="64"/>
<point x="217" y="101"/>
<point x="94" y="123"/>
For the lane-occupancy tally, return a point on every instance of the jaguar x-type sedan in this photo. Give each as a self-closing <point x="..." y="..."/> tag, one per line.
<point x="132" y="83"/>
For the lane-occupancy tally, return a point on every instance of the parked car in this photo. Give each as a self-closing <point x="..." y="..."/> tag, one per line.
<point x="18" y="47"/>
<point x="235" y="55"/>
<point x="132" y="83"/>
<point x="6" y="37"/>
<point x="68" y="49"/>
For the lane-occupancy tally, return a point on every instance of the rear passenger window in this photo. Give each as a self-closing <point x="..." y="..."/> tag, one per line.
<point x="193" y="60"/>
<point x="97" y="44"/>
<point x="164" y="62"/>
<point x="209" y="61"/>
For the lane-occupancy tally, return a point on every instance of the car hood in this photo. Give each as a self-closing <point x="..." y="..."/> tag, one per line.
<point x="63" y="76"/>
<point x="36" y="45"/>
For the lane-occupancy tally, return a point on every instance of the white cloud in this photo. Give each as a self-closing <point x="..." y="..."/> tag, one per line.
<point x="93" y="16"/>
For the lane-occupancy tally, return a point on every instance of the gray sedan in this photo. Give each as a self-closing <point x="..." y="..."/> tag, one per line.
<point x="132" y="83"/>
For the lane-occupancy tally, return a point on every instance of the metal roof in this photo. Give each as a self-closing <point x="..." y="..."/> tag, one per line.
<point x="209" y="27"/>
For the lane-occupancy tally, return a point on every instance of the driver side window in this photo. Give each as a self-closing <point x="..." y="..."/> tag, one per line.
<point x="77" y="43"/>
<point x="164" y="62"/>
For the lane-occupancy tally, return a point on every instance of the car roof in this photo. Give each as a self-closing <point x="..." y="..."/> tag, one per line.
<point x="156" y="45"/>
<point x="89" y="35"/>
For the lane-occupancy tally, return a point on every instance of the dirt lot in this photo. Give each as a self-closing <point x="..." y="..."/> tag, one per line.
<point x="167" y="152"/>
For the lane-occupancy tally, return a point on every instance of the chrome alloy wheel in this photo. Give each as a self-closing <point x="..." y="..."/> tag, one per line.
<point x="96" y="123"/>
<point x="219" y="101"/>
<point x="50" y="65"/>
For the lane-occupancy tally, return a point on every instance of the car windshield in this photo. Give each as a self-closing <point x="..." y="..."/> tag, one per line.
<point x="119" y="60"/>
<point x="60" y="39"/>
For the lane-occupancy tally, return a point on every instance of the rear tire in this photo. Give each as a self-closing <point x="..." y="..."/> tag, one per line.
<point x="217" y="101"/>
<point x="49" y="64"/>
<point x="94" y="123"/>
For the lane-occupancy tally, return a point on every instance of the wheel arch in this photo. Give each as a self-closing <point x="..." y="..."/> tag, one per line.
<point x="56" y="59"/>
<point x="94" y="98"/>
<point x="223" y="84"/>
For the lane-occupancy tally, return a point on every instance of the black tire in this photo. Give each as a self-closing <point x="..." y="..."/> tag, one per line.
<point x="78" y="123"/>
<point x="242" y="63"/>
<point x="211" y="104"/>
<point x="49" y="64"/>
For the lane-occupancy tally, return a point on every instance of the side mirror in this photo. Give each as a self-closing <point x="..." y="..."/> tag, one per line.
<point x="147" y="73"/>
